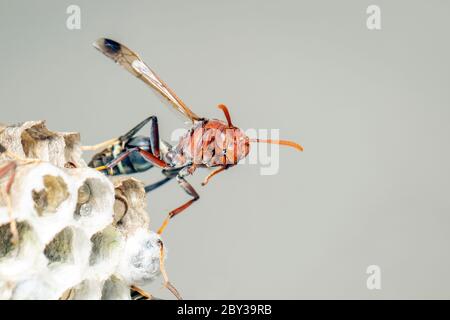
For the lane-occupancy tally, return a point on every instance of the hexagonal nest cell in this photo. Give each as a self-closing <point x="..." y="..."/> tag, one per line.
<point x="7" y="244"/>
<point x="48" y="199"/>
<point x="60" y="249"/>
<point x="66" y="230"/>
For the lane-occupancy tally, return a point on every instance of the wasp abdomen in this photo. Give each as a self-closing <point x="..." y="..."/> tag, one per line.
<point x="134" y="163"/>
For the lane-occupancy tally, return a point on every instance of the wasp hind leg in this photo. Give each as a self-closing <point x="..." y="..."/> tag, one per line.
<point x="154" y="136"/>
<point x="101" y="145"/>
<point x="127" y="136"/>
<point x="154" y="133"/>
<point x="16" y="157"/>
<point x="145" y="154"/>
<point x="153" y="156"/>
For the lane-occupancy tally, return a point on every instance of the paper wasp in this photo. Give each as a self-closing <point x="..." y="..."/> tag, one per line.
<point x="208" y="143"/>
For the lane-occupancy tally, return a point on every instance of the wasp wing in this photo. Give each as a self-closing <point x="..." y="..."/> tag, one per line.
<point x="135" y="65"/>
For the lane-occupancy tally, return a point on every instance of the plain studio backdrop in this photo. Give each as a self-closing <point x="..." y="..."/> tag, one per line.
<point x="371" y="108"/>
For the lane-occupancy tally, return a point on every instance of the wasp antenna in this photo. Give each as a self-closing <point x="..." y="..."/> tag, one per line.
<point x="227" y="114"/>
<point x="280" y="142"/>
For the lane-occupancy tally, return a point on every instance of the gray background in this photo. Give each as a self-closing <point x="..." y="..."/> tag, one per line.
<point x="370" y="107"/>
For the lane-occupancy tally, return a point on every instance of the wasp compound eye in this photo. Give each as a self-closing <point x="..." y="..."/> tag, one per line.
<point x="111" y="45"/>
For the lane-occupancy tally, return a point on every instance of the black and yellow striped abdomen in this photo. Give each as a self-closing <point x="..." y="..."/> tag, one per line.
<point x="134" y="163"/>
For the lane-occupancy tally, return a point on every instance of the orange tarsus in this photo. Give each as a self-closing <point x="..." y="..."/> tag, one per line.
<point x="163" y="226"/>
<point x="227" y="114"/>
<point x="280" y="142"/>
<point x="172" y="214"/>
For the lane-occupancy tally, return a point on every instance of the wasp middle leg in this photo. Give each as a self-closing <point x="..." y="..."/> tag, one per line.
<point x="169" y="173"/>
<point x="187" y="187"/>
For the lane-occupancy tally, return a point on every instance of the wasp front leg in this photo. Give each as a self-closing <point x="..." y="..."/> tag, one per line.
<point x="212" y="174"/>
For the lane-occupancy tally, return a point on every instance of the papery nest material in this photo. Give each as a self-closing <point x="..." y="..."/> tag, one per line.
<point x="80" y="235"/>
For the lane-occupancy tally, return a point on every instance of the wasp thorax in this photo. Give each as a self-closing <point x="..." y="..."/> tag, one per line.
<point x="230" y="146"/>
<point x="243" y="144"/>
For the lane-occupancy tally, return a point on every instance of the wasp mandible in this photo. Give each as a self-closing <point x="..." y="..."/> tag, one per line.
<point x="208" y="143"/>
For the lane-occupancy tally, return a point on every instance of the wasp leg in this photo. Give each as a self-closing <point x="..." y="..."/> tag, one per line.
<point x="145" y="154"/>
<point x="190" y="191"/>
<point x="101" y="145"/>
<point x="16" y="157"/>
<point x="154" y="137"/>
<point x="130" y="134"/>
<point x="162" y="267"/>
<point x="10" y="168"/>
<point x="170" y="174"/>
<point x="127" y="136"/>
<point x="212" y="174"/>
<point x="158" y="184"/>
<point x="139" y="294"/>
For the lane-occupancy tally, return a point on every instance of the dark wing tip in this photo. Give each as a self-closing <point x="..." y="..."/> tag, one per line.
<point x="107" y="46"/>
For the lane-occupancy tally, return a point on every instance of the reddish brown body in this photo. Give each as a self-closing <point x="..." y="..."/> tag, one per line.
<point x="210" y="143"/>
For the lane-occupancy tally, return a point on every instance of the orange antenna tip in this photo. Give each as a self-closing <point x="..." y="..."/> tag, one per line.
<point x="280" y="142"/>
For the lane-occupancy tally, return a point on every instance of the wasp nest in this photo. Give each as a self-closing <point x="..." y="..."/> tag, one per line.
<point x="66" y="230"/>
